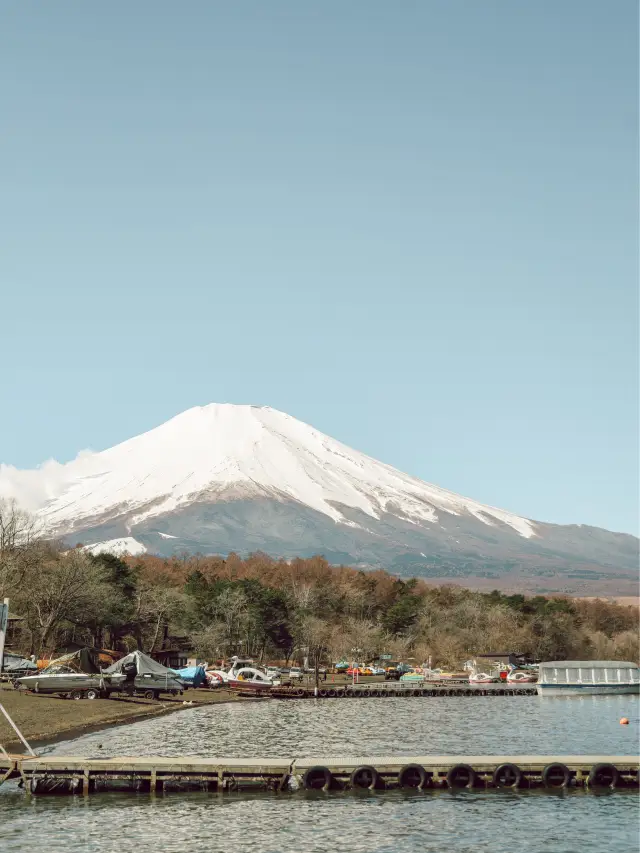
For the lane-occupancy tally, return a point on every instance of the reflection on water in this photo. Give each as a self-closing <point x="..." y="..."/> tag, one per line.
<point x="419" y="726"/>
<point x="501" y="822"/>
<point x="496" y="822"/>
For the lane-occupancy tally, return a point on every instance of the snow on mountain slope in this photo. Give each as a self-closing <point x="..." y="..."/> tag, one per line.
<point x="221" y="452"/>
<point x="118" y="547"/>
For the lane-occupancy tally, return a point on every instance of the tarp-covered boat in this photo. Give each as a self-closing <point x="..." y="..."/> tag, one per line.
<point x="143" y="674"/>
<point x="192" y="676"/>
<point x="16" y="664"/>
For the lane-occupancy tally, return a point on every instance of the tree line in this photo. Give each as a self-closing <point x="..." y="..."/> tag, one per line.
<point x="287" y="610"/>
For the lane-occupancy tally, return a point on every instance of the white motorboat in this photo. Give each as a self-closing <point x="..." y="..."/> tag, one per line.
<point x="64" y="680"/>
<point x="588" y="678"/>
<point x="76" y="674"/>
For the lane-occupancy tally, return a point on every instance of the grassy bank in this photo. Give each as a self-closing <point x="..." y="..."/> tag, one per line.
<point x="46" y="719"/>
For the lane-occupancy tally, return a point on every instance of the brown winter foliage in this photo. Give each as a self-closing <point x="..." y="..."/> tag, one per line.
<point x="271" y="608"/>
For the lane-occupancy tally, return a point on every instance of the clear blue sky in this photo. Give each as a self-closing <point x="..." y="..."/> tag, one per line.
<point x="413" y="225"/>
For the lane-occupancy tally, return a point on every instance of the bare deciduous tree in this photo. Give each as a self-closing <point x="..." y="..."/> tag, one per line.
<point x="19" y="534"/>
<point x="62" y="587"/>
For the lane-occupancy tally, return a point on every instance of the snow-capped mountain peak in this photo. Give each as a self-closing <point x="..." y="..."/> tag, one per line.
<point x="223" y="452"/>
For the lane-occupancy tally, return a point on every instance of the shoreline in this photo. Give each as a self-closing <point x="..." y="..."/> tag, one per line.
<point x="69" y="719"/>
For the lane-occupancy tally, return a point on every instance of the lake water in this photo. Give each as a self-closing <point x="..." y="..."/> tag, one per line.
<point x="395" y="822"/>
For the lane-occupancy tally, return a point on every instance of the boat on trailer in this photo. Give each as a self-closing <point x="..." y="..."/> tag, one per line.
<point x="66" y="681"/>
<point x="588" y="678"/>
<point x="77" y="675"/>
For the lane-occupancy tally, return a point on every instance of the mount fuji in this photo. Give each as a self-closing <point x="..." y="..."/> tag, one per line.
<point x="225" y="477"/>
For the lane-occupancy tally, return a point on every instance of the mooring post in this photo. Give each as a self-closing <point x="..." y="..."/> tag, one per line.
<point x="4" y="618"/>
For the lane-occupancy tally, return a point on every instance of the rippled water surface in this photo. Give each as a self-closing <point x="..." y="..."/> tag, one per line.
<point x="502" y="822"/>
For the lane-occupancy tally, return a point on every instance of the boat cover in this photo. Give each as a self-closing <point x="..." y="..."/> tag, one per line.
<point x="144" y="665"/>
<point x="194" y="676"/>
<point x="84" y="660"/>
<point x="15" y="663"/>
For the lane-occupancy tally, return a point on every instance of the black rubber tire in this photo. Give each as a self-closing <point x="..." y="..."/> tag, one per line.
<point x="461" y="776"/>
<point x="76" y="694"/>
<point x="322" y="692"/>
<point x="317" y="779"/>
<point x="150" y="694"/>
<point x="507" y="776"/>
<point x="299" y="693"/>
<point x="413" y="776"/>
<point x="604" y="776"/>
<point x="92" y="693"/>
<point x="331" y="693"/>
<point x="416" y="692"/>
<point x="556" y="776"/>
<point x="365" y="777"/>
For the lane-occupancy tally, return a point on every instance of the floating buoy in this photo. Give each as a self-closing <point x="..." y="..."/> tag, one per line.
<point x="624" y="721"/>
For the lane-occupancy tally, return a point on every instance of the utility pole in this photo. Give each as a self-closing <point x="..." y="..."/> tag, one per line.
<point x="4" y="616"/>
<point x="315" y="692"/>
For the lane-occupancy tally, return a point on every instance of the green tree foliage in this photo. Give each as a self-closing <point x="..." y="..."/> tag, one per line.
<point x="301" y="609"/>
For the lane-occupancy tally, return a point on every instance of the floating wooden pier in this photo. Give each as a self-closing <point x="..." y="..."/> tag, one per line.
<point x="393" y="689"/>
<point x="76" y="775"/>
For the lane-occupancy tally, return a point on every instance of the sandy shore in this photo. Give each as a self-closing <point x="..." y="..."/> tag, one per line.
<point x="47" y="719"/>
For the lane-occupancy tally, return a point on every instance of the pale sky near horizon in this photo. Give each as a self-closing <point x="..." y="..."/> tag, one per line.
<point x="411" y="225"/>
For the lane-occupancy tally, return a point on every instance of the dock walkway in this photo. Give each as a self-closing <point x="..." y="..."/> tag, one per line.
<point x="77" y="775"/>
<point x="394" y="689"/>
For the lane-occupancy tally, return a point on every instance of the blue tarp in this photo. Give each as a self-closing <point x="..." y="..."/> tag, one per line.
<point x="193" y="676"/>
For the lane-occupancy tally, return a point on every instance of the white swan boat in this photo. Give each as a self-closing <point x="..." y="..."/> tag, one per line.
<point x="483" y="678"/>
<point x="522" y="676"/>
<point x="216" y="677"/>
<point x="478" y="677"/>
<point x="252" y="679"/>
